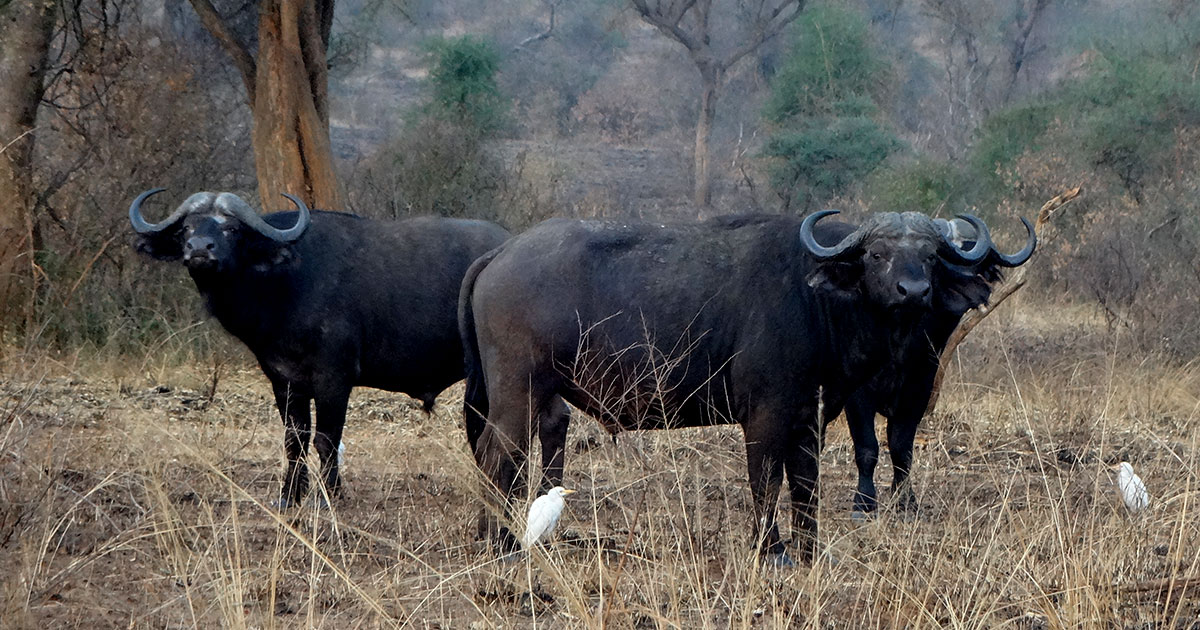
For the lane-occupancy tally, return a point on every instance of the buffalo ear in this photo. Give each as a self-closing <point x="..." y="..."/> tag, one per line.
<point x="839" y="278"/>
<point x="959" y="292"/>
<point x="266" y="255"/>
<point x="166" y="245"/>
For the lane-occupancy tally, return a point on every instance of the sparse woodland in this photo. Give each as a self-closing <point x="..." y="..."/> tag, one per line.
<point x="139" y="445"/>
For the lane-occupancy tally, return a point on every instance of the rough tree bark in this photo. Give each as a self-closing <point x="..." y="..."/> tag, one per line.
<point x="25" y="30"/>
<point x="687" y="22"/>
<point x="287" y="89"/>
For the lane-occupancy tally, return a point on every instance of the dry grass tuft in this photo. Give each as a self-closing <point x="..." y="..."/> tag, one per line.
<point x="131" y="495"/>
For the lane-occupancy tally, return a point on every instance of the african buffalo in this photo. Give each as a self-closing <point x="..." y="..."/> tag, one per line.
<point x="326" y="301"/>
<point x="739" y="319"/>
<point x="902" y="389"/>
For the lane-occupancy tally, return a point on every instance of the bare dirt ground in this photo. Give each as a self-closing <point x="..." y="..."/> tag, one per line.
<point x="130" y="498"/>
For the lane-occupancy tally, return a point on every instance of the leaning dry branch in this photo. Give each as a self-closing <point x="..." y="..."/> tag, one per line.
<point x="1015" y="282"/>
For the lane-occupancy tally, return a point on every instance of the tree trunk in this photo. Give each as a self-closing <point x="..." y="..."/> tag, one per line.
<point x="702" y="184"/>
<point x="25" y="28"/>
<point x="292" y="152"/>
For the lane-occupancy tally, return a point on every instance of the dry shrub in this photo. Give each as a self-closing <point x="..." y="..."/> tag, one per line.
<point x="128" y="117"/>
<point x="1137" y="259"/>
<point x="436" y="167"/>
<point x="639" y="99"/>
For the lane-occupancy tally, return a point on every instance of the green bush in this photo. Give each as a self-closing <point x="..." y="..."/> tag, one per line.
<point x="826" y="134"/>
<point x="924" y="185"/>
<point x="1121" y="118"/>
<point x="463" y="77"/>
<point x="825" y="157"/>
<point x="831" y="63"/>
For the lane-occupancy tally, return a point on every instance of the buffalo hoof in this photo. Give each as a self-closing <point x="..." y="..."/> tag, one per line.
<point x="284" y="504"/>
<point x="906" y="501"/>
<point x="778" y="561"/>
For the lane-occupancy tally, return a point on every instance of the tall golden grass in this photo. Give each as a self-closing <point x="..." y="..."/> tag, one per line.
<point x="131" y="497"/>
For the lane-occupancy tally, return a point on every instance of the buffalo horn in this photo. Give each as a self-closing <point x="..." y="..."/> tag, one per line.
<point x="959" y="256"/>
<point x="233" y="205"/>
<point x="142" y="226"/>
<point x="1019" y="258"/>
<point x="820" y="252"/>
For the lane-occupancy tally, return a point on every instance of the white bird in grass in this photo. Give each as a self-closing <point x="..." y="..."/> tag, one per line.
<point x="1133" y="491"/>
<point x="543" y="515"/>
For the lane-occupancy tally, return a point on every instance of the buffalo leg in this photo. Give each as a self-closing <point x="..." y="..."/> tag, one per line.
<point x="803" y="468"/>
<point x="475" y="409"/>
<point x="860" y="416"/>
<point x="293" y="406"/>
<point x="764" y="459"/>
<point x="552" y="433"/>
<point x="331" y="419"/>
<point x="501" y="454"/>
<point x="901" y="432"/>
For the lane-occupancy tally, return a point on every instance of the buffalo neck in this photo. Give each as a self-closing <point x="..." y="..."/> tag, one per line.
<point x="863" y="340"/>
<point x="247" y="303"/>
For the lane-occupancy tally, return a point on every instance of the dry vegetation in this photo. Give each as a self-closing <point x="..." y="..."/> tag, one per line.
<point x="130" y="497"/>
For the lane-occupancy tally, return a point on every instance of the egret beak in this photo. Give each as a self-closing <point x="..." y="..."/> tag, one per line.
<point x="568" y="492"/>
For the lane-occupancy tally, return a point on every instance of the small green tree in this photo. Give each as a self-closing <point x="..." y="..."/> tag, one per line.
<point x="463" y="78"/>
<point x="440" y="162"/>
<point x="827" y="135"/>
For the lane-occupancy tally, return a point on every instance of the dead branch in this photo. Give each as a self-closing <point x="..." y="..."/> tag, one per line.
<point x="242" y="60"/>
<point x="532" y="39"/>
<point x="1014" y="282"/>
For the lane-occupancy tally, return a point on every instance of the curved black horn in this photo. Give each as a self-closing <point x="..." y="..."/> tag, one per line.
<point x="981" y="248"/>
<point x="142" y="226"/>
<point x="1019" y="258"/>
<point x="234" y="205"/>
<point x="820" y="252"/>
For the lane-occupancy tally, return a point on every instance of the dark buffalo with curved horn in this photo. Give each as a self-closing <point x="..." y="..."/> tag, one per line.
<point x="326" y="301"/>
<point x="751" y="320"/>
<point x="901" y="391"/>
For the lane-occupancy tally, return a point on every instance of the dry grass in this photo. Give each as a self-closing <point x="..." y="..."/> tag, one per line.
<point x="129" y="499"/>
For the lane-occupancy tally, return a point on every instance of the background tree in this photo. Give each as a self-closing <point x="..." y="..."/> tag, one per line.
<point x="25" y="30"/>
<point x="287" y="87"/>
<point x="822" y="105"/>
<point x="690" y="23"/>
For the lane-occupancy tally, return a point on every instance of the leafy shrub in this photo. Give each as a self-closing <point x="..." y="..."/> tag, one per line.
<point x="826" y="137"/>
<point x="463" y="80"/>
<point x="823" y="160"/>
<point x="831" y="63"/>
<point x="924" y="185"/>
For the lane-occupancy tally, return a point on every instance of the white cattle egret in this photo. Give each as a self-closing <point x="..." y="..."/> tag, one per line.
<point x="543" y="515"/>
<point x="1133" y="491"/>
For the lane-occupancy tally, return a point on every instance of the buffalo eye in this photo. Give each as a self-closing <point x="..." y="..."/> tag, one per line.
<point x="876" y="255"/>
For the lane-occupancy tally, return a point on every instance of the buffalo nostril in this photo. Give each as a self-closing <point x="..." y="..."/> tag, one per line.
<point x="209" y="245"/>
<point x="913" y="289"/>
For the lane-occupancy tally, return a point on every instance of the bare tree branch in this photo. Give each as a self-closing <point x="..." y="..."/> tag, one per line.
<point x="216" y="25"/>
<point x="1014" y="282"/>
<point x="769" y="29"/>
<point x="532" y="39"/>
<point x="667" y="20"/>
